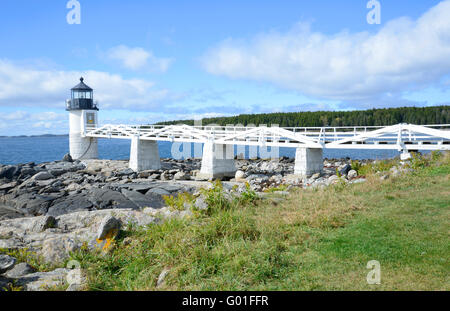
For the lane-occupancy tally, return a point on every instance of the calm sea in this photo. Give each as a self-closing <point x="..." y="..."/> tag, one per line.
<point x="14" y="150"/>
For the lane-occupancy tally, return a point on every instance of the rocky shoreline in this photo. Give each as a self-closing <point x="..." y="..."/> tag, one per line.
<point x="58" y="188"/>
<point x="52" y="209"/>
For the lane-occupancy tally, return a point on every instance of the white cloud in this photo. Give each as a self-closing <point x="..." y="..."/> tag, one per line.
<point x="29" y="87"/>
<point x="404" y="55"/>
<point x="42" y="124"/>
<point x="138" y="59"/>
<point x="25" y="123"/>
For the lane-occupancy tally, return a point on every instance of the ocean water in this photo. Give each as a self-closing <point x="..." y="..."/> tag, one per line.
<point x="15" y="150"/>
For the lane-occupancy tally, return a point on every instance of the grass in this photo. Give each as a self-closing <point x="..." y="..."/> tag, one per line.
<point x="318" y="239"/>
<point x="31" y="257"/>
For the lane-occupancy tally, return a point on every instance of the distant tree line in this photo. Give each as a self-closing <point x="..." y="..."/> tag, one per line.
<point x="372" y="117"/>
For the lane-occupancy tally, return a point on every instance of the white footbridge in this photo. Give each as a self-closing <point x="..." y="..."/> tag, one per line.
<point x="218" y="141"/>
<point x="218" y="160"/>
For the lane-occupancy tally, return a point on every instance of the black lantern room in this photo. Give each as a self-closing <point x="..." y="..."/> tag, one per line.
<point x="82" y="98"/>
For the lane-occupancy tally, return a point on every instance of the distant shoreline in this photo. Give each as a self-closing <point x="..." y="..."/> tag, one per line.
<point x="28" y="136"/>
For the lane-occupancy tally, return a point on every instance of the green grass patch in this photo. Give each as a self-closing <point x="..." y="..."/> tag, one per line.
<point x="317" y="239"/>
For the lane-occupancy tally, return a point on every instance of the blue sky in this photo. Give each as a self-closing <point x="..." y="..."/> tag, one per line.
<point x="150" y="61"/>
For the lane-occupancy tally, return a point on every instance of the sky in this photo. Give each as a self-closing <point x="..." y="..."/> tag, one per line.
<point x="151" y="61"/>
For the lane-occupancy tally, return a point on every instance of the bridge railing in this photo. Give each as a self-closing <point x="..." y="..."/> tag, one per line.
<point x="281" y="136"/>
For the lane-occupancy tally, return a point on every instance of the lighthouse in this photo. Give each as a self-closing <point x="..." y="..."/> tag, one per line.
<point x="82" y="117"/>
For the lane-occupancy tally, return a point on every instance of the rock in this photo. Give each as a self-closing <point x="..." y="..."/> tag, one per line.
<point x="70" y="204"/>
<point x="9" y="171"/>
<point x="315" y="176"/>
<point x="165" y="176"/>
<point x="34" y="205"/>
<point x="109" y="228"/>
<point x="161" y="278"/>
<point x="42" y="281"/>
<point x="73" y="187"/>
<point x="155" y="176"/>
<point x="42" y="176"/>
<point x="6" y="263"/>
<point x="344" y="169"/>
<point x="20" y="270"/>
<point x="125" y="172"/>
<point x="158" y="191"/>
<point x="57" y="172"/>
<point x="171" y="187"/>
<point x="7" y="212"/>
<point x="67" y="158"/>
<point x="180" y="176"/>
<point x="240" y="176"/>
<point x="142" y="201"/>
<point x="146" y="174"/>
<point x="57" y="250"/>
<point x="106" y="198"/>
<point x="73" y="230"/>
<point x="8" y="186"/>
<point x="333" y="179"/>
<point x="142" y="188"/>
<point x="44" y="224"/>
<point x="352" y="174"/>
<point x="200" y="204"/>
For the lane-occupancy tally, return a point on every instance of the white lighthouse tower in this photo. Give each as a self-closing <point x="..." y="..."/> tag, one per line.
<point x="82" y="117"/>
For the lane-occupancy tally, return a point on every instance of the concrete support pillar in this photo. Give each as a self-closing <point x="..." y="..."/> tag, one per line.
<point x="144" y="155"/>
<point x="308" y="161"/>
<point x="217" y="161"/>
